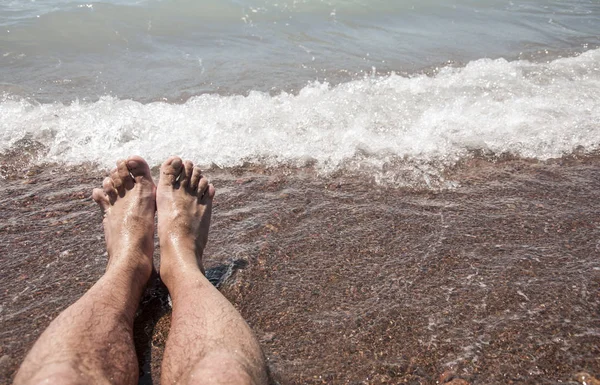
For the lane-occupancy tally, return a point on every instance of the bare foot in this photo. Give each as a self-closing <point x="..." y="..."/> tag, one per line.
<point x="127" y="199"/>
<point x="184" y="201"/>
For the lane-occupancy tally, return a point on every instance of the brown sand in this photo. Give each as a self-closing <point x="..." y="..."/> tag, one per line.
<point x="343" y="281"/>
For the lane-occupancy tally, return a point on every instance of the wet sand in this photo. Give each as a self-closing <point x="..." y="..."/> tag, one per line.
<point x="344" y="281"/>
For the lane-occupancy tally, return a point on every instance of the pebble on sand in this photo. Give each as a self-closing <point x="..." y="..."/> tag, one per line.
<point x="586" y="379"/>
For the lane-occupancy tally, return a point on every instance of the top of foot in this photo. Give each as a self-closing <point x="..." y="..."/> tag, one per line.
<point x="184" y="202"/>
<point x="127" y="198"/>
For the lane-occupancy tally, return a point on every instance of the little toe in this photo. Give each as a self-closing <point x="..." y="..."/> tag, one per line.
<point x="211" y="191"/>
<point x="100" y="197"/>
<point x="170" y="170"/>
<point x="186" y="173"/>
<point x="139" y="168"/>
<point x="196" y="175"/>
<point x="109" y="189"/>
<point x="125" y="175"/>
<point x="209" y="194"/>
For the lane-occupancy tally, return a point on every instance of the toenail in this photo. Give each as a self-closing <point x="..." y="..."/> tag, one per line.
<point x="176" y="163"/>
<point x="133" y="164"/>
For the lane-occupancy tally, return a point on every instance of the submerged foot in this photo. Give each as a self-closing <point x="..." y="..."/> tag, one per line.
<point x="127" y="198"/>
<point x="184" y="201"/>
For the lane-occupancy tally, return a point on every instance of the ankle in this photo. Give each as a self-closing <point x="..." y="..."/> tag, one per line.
<point x="179" y="260"/>
<point x="183" y="281"/>
<point x="133" y="275"/>
<point x="182" y="248"/>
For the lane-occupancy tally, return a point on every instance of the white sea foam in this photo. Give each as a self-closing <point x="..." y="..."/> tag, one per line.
<point x="539" y="110"/>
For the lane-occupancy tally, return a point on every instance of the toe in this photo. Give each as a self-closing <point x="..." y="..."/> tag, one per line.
<point x="170" y="170"/>
<point x="139" y="168"/>
<point x="196" y="175"/>
<point x="209" y="194"/>
<point x="211" y="191"/>
<point x="117" y="182"/>
<point x="109" y="189"/>
<point x="186" y="173"/>
<point x="202" y="186"/>
<point x="124" y="174"/>
<point x="100" y="197"/>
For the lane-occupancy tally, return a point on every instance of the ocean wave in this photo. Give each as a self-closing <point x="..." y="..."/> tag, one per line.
<point x="536" y="110"/>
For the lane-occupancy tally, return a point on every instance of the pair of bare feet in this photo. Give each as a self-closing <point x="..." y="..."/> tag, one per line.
<point x="91" y="342"/>
<point x="182" y="199"/>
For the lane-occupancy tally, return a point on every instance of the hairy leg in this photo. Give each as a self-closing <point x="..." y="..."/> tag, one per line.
<point x="91" y="342"/>
<point x="209" y="341"/>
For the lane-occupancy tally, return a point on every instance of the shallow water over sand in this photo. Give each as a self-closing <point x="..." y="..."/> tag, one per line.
<point x="344" y="281"/>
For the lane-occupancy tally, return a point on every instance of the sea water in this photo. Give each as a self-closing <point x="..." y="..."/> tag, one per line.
<point x="334" y="83"/>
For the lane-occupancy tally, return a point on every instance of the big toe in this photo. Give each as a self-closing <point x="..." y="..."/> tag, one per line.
<point x="139" y="169"/>
<point x="170" y="170"/>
